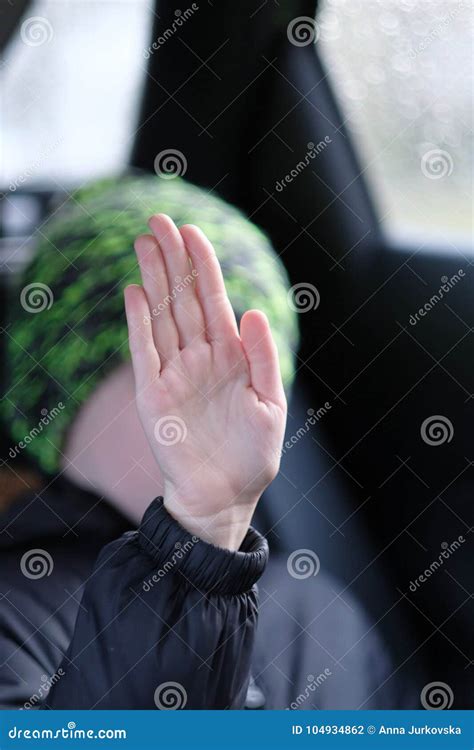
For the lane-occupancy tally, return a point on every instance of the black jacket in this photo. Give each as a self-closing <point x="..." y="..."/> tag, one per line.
<point x="164" y="620"/>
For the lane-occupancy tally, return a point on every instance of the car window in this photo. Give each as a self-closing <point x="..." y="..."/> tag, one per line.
<point x="402" y="73"/>
<point x="71" y="83"/>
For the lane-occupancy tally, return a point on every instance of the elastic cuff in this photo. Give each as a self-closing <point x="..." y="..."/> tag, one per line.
<point x="208" y="568"/>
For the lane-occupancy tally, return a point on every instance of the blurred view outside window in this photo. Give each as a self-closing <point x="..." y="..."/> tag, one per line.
<point x="402" y="73"/>
<point x="71" y="83"/>
<point x="401" y="70"/>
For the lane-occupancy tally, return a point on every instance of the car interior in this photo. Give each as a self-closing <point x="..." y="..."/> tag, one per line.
<point x="375" y="500"/>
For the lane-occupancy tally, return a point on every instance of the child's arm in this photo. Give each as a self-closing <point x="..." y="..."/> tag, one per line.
<point x="166" y="621"/>
<point x="210" y="398"/>
<point x="169" y="613"/>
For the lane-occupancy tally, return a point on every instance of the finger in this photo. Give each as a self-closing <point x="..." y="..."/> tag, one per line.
<point x="187" y="310"/>
<point x="218" y="314"/>
<point x="155" y="283"/>
<point x="262" y="355"/>
<point x="145" y="358"/>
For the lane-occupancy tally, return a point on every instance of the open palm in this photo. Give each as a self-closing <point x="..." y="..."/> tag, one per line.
<point x="210" y="400"/>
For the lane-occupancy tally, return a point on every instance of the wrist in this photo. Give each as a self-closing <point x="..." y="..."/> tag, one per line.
<point x="224" y="526"/>
<point x="204" y="566"/>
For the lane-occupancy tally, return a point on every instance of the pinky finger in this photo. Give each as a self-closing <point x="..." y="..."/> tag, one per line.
<point x="262" y="356"/>
<point x="145" y="358"/>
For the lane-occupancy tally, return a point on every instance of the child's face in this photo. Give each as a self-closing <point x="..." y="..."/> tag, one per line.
<point x="107" y="451"/>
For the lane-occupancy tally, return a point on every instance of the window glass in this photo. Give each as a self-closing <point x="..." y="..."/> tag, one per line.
<point x="71" y="81"/>
<point x="402" y="71"/>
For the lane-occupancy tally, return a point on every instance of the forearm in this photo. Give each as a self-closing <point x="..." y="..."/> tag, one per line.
<point x="164" y="607"/>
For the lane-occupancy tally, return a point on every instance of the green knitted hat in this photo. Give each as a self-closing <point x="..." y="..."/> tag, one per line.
<point x="68" y="328"/>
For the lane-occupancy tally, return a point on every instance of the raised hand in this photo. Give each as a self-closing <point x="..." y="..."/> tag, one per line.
<point x="210" y="399"/>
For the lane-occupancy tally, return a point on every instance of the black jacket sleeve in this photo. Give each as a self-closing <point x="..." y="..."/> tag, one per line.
<point x="166" y="621"/>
